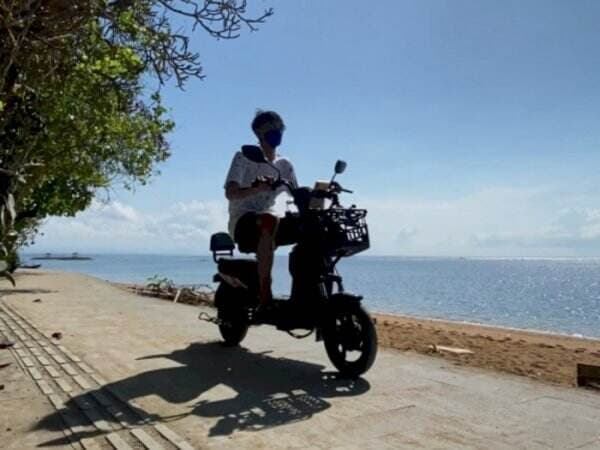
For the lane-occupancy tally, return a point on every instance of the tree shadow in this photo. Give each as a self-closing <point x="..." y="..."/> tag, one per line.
<point x="15" y="291"/>
<point x="261" y="391"/>
<point x="24" y="272"/>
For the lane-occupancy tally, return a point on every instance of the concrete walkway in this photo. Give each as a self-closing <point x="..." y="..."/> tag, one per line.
<point x="133" y="372"/>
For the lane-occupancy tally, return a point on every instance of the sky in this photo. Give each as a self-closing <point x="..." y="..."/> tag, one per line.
<point x="470" y="128"/>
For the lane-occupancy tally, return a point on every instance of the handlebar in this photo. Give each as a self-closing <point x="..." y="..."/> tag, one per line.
<point x="302" y="194"/>
<point x="334" y="188"/>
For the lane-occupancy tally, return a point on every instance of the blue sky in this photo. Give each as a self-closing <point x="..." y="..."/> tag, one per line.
<point x="471" y="128"/>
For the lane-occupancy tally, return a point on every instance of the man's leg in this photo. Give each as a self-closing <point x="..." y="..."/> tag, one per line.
<point x="267" y="226"/>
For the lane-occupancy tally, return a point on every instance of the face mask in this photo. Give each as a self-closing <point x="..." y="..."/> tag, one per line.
<point x="273" y="138"/>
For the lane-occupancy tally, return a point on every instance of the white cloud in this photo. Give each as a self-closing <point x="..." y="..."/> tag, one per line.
<point x="490" y="222"/>
<point x="115" y="227"/>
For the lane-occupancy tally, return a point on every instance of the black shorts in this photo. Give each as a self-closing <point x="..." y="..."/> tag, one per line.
<point x="247" y="232"/>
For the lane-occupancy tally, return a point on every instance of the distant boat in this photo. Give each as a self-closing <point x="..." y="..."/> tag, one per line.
<point x="30" y="266"/>
<point x="73" y="257"/>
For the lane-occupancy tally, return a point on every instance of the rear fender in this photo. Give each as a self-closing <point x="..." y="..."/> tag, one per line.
<point x="227" y="296"/>
<point x="232" y="281"/>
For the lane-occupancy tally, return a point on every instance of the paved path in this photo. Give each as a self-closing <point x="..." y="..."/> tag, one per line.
<point x="132" y="372"/>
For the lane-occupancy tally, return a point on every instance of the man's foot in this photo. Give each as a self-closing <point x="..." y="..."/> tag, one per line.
<point x="264" y="313"/>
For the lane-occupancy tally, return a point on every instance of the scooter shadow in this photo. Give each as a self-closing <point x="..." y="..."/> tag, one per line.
<point x="252" y="391"/>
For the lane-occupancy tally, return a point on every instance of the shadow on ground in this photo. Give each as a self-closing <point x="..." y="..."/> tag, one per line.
<point x="16" y="291"/>
<point x="253" y="391"/>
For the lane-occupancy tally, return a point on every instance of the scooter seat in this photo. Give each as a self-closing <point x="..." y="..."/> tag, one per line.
<point x="236" y="266"/>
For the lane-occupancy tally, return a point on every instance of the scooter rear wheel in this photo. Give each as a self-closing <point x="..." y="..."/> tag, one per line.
<point x="231" y="312"/>
<point x="351" y="340"/>
<point x="233" y="331"/>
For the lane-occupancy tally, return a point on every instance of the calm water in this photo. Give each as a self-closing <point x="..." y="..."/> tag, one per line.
<point x="547" y="294"/>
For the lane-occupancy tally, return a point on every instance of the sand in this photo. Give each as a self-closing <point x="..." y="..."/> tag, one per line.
<point x="542" y="356"/>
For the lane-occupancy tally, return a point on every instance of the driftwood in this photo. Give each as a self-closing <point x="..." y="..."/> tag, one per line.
<point x="188" y="295"/>
<point x="454" y="350"/>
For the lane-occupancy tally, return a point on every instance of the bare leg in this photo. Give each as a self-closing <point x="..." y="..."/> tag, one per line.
<point x="264" y="255"/>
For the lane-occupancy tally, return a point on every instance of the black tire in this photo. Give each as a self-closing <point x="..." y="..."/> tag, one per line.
<point x="233" y="332"/>
<point x="350" y="328"/>
<point x="231" y="311"/>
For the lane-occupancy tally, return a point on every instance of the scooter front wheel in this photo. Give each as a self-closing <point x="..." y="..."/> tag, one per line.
<point x="351" y="340"/>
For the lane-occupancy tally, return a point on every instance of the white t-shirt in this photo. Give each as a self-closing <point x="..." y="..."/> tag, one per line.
<point x="244" y="172"/>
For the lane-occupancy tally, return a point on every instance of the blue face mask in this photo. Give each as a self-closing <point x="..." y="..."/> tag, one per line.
<point x="273" y="138"/>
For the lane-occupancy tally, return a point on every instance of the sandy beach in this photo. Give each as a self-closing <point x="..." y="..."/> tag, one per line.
<point x="542" y="356"/>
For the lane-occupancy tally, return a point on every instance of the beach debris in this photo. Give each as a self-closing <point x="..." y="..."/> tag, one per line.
<point x="454" y="350"/>
<point x="198" y="294"/>
<point x="179" y="291"/>
<point x="37" y="300"/>
<point x="4" y="344"/>
<point x="5" y="365"/>
<point x="588" y="376"/>
<point x="56" y="335"/>
<point x="158" y="284"/>
<point x="1" y="387"/>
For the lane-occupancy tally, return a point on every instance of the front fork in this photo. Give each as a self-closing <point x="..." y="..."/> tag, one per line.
<point x="334" y="303"/>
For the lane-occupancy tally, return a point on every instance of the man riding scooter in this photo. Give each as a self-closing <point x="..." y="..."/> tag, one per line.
<point x="252" y="221"/>
<point x="323" y="232"/>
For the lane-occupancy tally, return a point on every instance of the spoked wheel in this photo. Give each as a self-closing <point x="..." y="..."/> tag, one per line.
<point x="351" y="341"/>
<point x="231" y="312"/>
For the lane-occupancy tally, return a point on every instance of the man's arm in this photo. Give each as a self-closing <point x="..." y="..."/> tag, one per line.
<point x="233" y="191"/>
<point x="289" y="174"/>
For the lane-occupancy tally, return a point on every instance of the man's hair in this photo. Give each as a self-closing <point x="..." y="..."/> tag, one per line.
<point x="264" y="117"/>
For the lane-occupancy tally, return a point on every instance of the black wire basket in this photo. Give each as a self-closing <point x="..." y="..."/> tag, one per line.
<point x="348" y="233"/>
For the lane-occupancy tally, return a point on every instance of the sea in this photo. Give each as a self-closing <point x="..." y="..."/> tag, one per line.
<point x="552" y="295"/>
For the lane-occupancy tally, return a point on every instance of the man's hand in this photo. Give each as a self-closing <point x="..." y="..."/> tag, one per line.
<point x="263" y="184"/>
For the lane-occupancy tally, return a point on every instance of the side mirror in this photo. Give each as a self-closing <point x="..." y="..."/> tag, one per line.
<point x="340" y="166"/>
<point x="254" y="153"/>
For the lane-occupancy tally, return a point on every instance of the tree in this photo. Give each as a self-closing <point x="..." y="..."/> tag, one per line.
<point x="75" y="116"/>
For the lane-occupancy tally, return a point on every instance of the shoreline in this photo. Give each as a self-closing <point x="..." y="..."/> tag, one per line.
<point x="143" y="290"/>
<point x="543" y="356"/>
<point x="507" y="328"/>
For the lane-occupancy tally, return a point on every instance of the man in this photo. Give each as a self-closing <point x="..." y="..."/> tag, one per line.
<point x="248" y="187"/>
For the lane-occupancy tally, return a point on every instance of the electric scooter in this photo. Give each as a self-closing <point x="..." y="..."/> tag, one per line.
<point x="318" y="302"/>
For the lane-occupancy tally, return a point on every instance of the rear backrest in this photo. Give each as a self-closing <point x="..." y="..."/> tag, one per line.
<point x="220" y="242"/>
